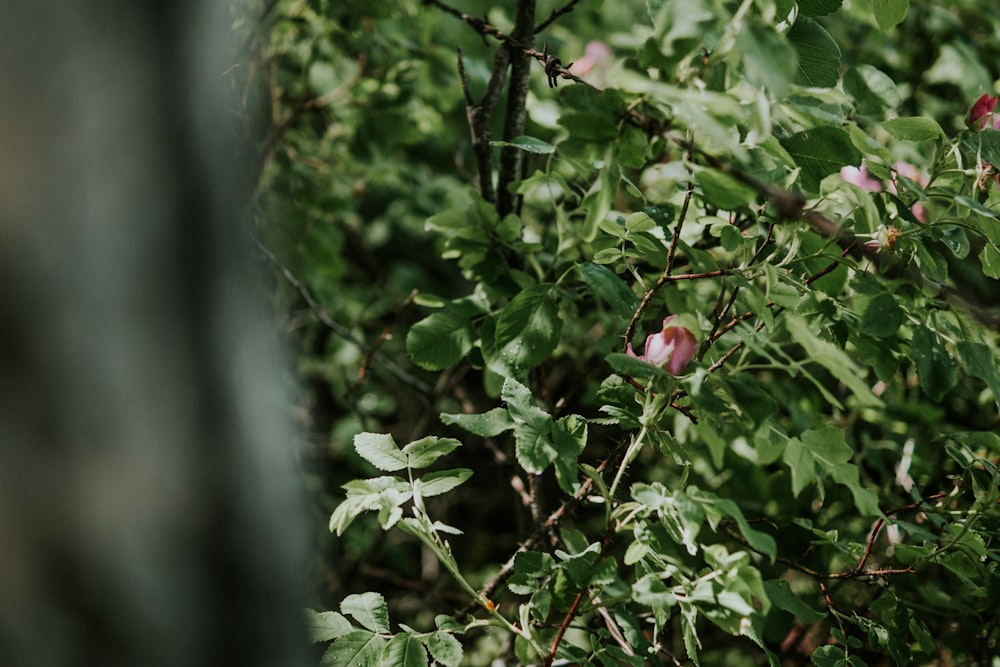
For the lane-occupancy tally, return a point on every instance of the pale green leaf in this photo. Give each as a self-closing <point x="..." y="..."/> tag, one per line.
<point x="404" y="650"/>
<point x="528" y="144"/>
<point x="833" y="359"/>
<point x="485" y="424"/>
<point x="422" y="453"/>
<point x="723" y="191"/>
<point x="368" y="609"/>
<point x="436" y="483"/>
<point x="359" y="647"/>
<point x="445" y="649"/>
<point x="380" y="450"/>
<point x="326" y="625"/>
<point x="919" y="128"/>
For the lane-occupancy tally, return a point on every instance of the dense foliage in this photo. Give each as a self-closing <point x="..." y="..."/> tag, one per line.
<point x="471" y="239"/>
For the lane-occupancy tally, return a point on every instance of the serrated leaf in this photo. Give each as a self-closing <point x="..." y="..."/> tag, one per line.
<point x="818" y="53"/>
<point x="380" y="450"/>
<point x="486" y="424"/>
<point x="888" y="13"/>
<point x="533" y="446"/>
<point x="326" y="625"/>
<point x="439" y="340"/>
<point x="368" y="609"/>
<point x="358" y="647"/>
<point x="436" y="483"/>
<point x="820" y="152"/>
<point x="404" y="650"/>
<point x="918" y="128"/>
<point x="528" y="328"/>
<point x="569" y="437"/>
<point x="528" y="144"/>
<point x="445" y="649"/>
<point x="989" y="257"/>
<point x="422" y="453"/>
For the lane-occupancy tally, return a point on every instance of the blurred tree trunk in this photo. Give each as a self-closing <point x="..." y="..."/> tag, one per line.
<point x="148" y="512"/>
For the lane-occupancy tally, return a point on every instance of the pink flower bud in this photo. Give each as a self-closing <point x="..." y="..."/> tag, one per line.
<point x="671" y="349"/>
<point x="981" y="111"/>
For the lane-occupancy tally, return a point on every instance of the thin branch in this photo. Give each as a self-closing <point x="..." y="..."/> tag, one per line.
<point x="336" y="327"/>
<point x="556" y="13"/>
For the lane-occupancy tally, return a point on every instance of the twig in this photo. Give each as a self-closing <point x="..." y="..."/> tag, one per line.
<point x="517" y="93"/>
<point x="479" y="115"/>
<point x="323" y="316"/>
<point x="556" y="13"/>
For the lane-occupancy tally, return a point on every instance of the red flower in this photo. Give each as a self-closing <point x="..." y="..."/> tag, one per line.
<point x="981" y="111"/>
<point x="671" y="349"/>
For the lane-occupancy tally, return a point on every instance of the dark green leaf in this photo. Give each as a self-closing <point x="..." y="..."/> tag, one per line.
<point x="936" y="369"/>
<point x="781" y="596"/>
<point x="528" y="328"/>
<point x="833" y="359"/>
<point x="609" y="287"/>
<point x="445" y="649"/>
<point x="629" y="366"/>
<point x="820" y="152"/>
<point x="882" y="316"/>
<point x="439" y="340"/>
<point x="818" y="53"/>
<point x="819" y="7"/>
<point x="979" y="362"/>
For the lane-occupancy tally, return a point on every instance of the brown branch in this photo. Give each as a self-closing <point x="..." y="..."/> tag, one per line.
<point x="556" y="13"/>
<point x="479" y="115"/>
<point x="517" y="92"/>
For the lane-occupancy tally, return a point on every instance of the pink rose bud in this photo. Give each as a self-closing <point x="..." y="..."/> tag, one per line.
<point x="981" y="111"/>
<point x="671" y="349"/>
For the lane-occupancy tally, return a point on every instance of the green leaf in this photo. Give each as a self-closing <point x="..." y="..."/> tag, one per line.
<point x="327" y="625"/>
<point x="833" y="359"/>
<point x="359" y="647"/>
<point x="781" y="596"/>
<point x="819" y="7"/>
<point x="422" y="453"/>
<point x="919" y="128"/>
<point x="888" y="13"/>
<point x="882" y="316"/>
<point x="533" y="447"/>
<point x="404" y="650"/>
<point x="629" y="366"/>
<point x="820" y="152"/>
<point x="680" y="25"/>
<point x="873" y="90"/>
<point x="989" y="257"/>
<point x="569" y="438"/>
<point x="936" y="369"/>
<point x="368" y="609"/>
<point x="609" y="287"/>
<point x="528" y="328"/>
<point x="445" y="649"/>
<point x="818" y="53"/>
<point x="770" y="61"/>
<point x="979" y="362"/>
<point x="528" y="144"/>
<point x="439" y="340"/>
<point x="723" y="191"/>
<point x="380" y="450"/>
<point x="443" y="481"/>
<point x="829" y="656"/>
<point x="599" y="199"/>
<point x="827" y="450"/>
<point x="487" y="424"/>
